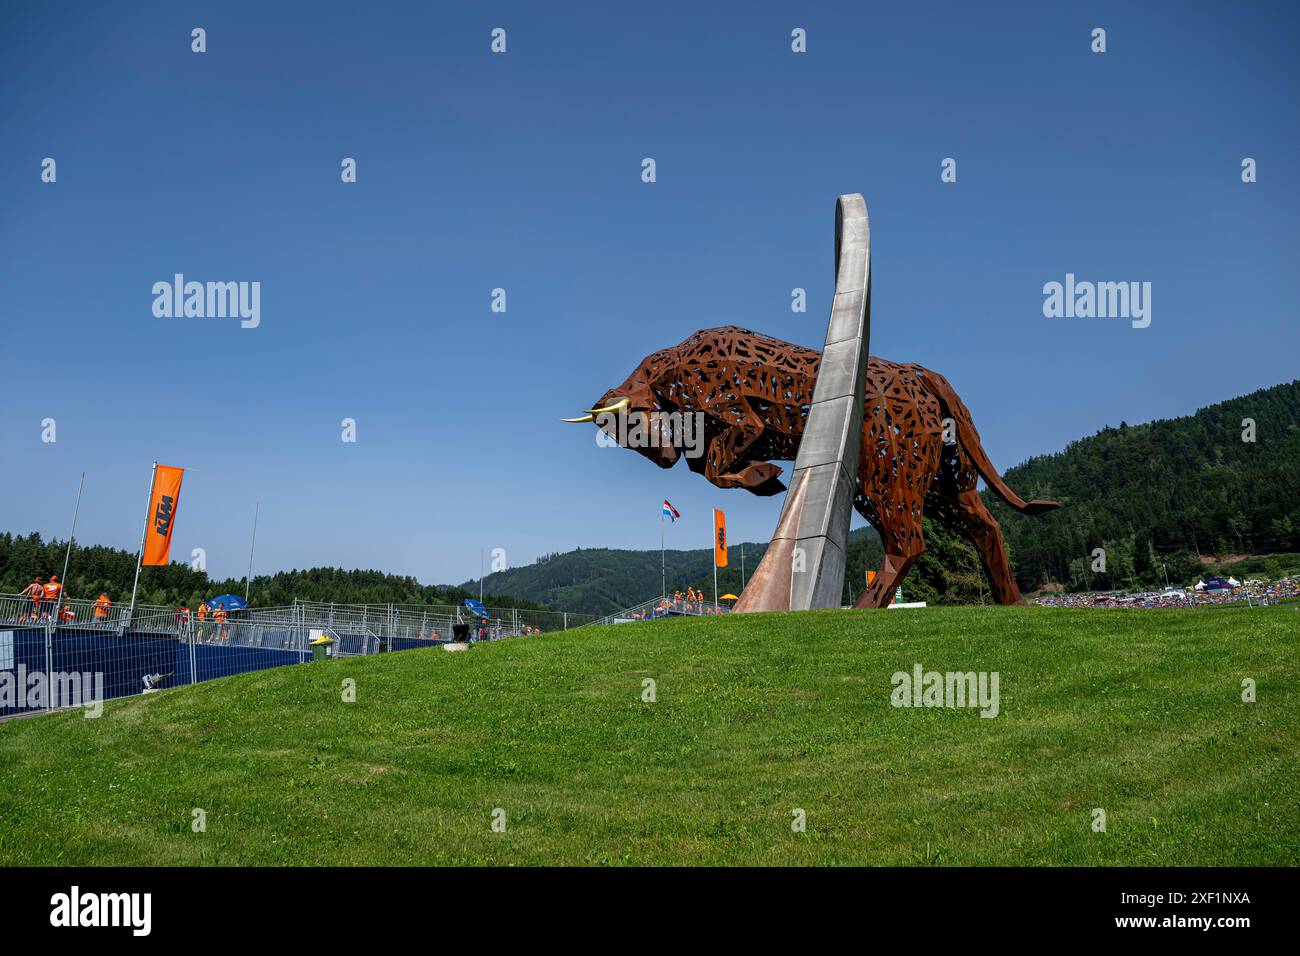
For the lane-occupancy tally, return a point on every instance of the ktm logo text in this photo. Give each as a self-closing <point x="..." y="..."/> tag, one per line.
<point x="162" y="519"/>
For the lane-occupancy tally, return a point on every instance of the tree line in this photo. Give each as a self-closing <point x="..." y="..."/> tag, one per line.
<point x="95" y="569"/>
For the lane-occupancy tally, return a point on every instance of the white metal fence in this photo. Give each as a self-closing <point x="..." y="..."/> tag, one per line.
<point x="17" y="609"/>
<point x="383" y="621"/>
<point x="418" y="621"/>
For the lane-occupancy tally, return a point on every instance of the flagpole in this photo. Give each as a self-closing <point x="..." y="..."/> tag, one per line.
<point x="67" y="555"/>
<point x="663" y="560"/>
<point x="715" y="559"/>
<point x="248" y="588"/>
<point x="144" y="529"/>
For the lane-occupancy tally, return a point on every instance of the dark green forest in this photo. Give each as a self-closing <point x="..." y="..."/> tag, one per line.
<point x="95" y="568"/>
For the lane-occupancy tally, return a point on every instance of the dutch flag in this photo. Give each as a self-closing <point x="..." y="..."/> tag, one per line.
<point x="670" y="512"/>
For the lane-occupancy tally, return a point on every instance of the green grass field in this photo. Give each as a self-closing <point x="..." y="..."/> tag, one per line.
<point x="1138" y="713"/>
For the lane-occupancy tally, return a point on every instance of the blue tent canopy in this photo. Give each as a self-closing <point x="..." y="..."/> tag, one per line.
<point x="476" y="608"/>
<point x="231" y="602"/>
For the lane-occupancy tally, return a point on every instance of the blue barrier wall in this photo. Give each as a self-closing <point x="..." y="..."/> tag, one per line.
<point x="125" y="660"/>
<point x="122" y="660"/>
<point x="23" y="652"/>
<point x="356" y="644"/>
<point x="216" y="660"/>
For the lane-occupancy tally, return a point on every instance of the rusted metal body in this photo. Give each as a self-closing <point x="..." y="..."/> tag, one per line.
<point x="754" y="392"/>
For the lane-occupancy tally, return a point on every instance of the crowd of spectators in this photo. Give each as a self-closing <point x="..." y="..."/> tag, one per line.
<point x="692" y="602"/>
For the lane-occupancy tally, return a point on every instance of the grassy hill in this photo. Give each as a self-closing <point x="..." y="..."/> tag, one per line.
<point x="1136" y="713"/>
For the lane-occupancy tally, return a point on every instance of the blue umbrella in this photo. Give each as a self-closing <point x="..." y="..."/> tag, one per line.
<point x="231" y="602"/>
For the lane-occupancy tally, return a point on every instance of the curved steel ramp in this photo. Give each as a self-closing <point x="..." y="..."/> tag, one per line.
<point x="804" y="565"/>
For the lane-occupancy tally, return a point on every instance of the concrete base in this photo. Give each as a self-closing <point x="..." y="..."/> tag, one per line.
<point x="455" y="647"/>
<point x="769" y="588"/>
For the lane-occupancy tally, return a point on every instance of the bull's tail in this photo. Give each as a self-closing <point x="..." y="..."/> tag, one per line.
<point x="970" y="441"/>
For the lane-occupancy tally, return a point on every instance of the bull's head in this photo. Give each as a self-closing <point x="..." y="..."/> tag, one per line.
<point x="634" y="417"/>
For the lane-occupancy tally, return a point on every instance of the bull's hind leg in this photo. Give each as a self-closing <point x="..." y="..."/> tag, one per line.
<point x="984" y="533"/>
<point x="903" y="545"/>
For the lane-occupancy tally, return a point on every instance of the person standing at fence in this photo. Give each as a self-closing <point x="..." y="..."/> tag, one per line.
<point x="102" y="604"/>
<point x="203" y="620"/>
<point x="182" y="615"/>
<point x="67" y="615"/>
<point x="52" y="590"/>
<point x="219" y="623"/>
<point x="34" y="592"/>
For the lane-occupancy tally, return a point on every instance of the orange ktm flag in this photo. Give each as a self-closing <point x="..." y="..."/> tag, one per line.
<point x="163" y="503"/>
<point x="719" y="538"/>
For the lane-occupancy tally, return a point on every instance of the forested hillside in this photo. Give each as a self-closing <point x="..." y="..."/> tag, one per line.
<point x="1165" y="492"/>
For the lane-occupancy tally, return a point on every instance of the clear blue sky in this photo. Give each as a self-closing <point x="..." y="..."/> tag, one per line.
<point x="522" y="171"/>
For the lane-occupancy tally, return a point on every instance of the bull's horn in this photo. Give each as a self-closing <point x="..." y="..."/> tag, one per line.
<point x="584" y="418"/>
<point x="618" y="406"/>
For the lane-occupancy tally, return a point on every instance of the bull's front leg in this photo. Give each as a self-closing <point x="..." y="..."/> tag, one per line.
<point x="724" y="462"/>
<point x="759" y="477"/>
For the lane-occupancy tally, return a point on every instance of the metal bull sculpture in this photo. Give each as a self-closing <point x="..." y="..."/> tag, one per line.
<point x="920" y="452"/>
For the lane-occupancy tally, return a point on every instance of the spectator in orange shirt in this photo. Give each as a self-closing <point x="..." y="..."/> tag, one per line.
<point x="52" y="591"/>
